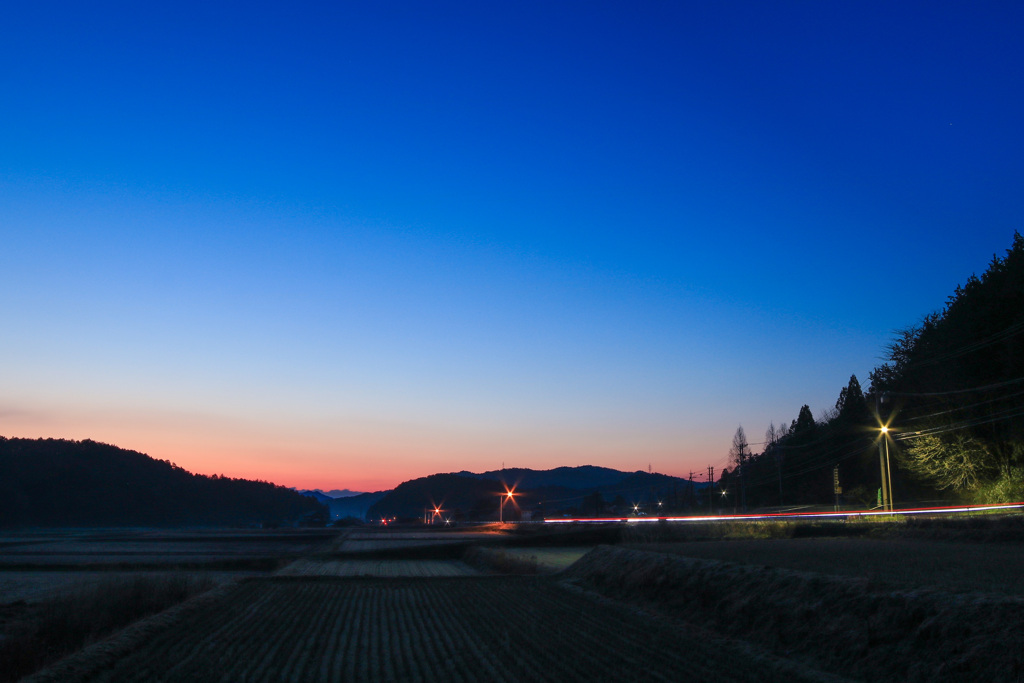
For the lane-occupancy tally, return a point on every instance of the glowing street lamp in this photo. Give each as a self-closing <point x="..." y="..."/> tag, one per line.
<point x="886" y="470"/>
<point x="501" y="506"/>
<point x="883" y="452"/>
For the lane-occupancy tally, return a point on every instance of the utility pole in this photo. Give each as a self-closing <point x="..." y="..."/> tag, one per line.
<point x="711" y="486"/>
<point x="836" y="488"/>
<point x="693" y="499"/>
<point x="778" y="462"/>
<point x="889" y="474"/>
<point x="883" y="455"/>
<point x="743" y="485"/>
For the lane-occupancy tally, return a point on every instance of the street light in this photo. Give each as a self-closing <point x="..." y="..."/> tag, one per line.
<point x="883" y="453"/>
<point x="501" y="507"/>
<point x="886" y="470"/>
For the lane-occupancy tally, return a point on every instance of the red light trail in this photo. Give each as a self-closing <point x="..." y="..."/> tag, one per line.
<point x="797" y="515"/>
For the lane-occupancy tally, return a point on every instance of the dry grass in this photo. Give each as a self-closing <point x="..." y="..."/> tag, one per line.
<point x="131" y="549"/>
<point x="547" y="559"/>
<point x="502" y="561"/>
<point x="949" y="566"/>
<point x="378" y="568"/>
<point x="839" y="624"/>
<point x="979" y="527"/>
<point x="395" y="543"/>
<point x="63" y="589"/>
<point x="37" y="586"/>
<point x="37" y="634"/>
<point x="667" y="532"/>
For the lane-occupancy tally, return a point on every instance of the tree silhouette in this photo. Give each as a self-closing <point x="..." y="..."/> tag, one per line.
<point x="739" y="452"/>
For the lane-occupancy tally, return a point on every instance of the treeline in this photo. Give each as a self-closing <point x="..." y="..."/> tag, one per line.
<point x="55" y="482"/>
<point x="956" y="384"/>
<point x="952" y="394"/>
<point x="798" y="463"/>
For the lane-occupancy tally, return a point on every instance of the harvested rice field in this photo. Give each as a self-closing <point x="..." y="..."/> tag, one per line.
<point x="500" y="629"/>
<point x="378" y="568"/>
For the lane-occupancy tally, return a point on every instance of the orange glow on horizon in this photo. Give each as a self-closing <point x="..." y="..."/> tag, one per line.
<point x="313" y="456"/>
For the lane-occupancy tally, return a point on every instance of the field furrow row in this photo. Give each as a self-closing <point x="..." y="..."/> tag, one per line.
<point x="486" y="628"/>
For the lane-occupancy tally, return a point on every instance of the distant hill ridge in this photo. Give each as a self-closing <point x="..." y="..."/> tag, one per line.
<point x="469" y="495"/>
<point x="582" y="477"/>
<point x="56" y="482"/>
<point x="324" y="496"/>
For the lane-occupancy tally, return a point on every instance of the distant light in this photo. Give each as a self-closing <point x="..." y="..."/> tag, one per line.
<point x="885" y="430"/>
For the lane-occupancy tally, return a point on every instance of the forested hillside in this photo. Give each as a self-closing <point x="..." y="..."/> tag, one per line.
<point x="956" y="386"/>
<point x="54" y="482"/>
<point x="952" y="394"/>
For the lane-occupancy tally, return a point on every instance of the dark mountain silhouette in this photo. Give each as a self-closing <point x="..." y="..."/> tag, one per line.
<point x="353" y="506"/>
<point x="587" y="489"/>
<point x="456" y="494"/>
<point x="54" y="482"/>
<point x="317" y="495"/>
<point x="343" y="493"/>
<point x="583" y="477"/>
<point x="325" y="496"/>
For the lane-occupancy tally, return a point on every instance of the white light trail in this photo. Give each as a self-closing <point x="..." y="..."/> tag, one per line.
<point x="795" y="515"/>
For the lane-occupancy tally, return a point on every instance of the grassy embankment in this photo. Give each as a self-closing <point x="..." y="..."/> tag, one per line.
<point x="62" y="589"/>
<point x="41" y="633"/>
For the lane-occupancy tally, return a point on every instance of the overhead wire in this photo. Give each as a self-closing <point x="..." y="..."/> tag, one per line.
<point x="955" y="409"/>
<point x="995" y="338"/>
<point x="952" y="392"/>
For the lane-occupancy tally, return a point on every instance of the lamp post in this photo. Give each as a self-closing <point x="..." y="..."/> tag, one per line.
<point x="883" y="454"/>
<point x="886" y="470"/>
<point x="881" y="465"/>
<point x="501" y="506"/>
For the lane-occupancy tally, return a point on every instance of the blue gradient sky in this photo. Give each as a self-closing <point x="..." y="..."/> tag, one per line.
<point x="344" y="246"/>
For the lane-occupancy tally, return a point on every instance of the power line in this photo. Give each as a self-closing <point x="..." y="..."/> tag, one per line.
<point x="1005" y="414"/>
<point x="957" y="391"/>
<point x="962" y="407"/>
<point x="1006" y="333"/>
<point x="829" y="458"/>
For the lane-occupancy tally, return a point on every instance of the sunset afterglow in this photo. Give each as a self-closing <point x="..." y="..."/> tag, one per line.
<point x="347" y="246"/>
